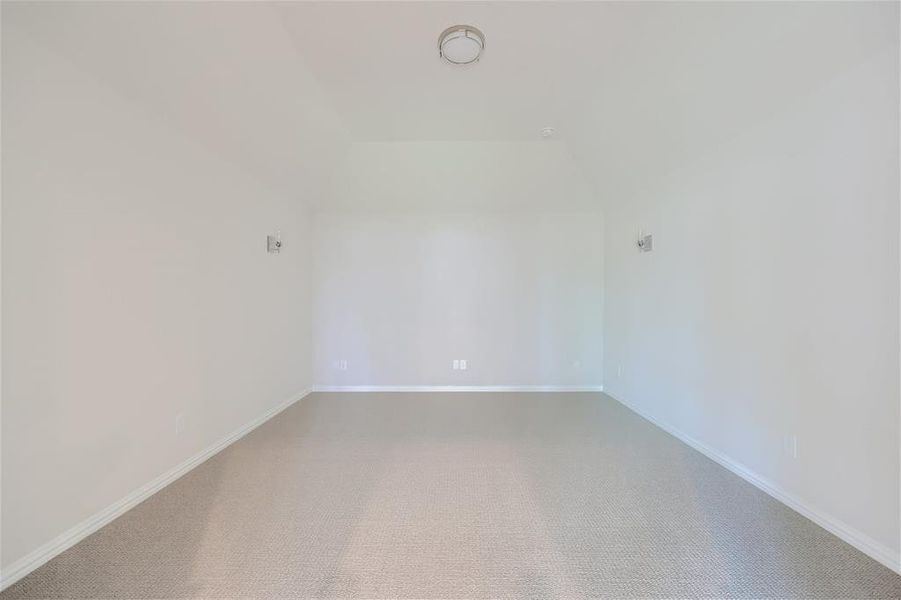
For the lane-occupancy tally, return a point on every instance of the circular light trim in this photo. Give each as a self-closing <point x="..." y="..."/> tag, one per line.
<point x="461" y="44"/>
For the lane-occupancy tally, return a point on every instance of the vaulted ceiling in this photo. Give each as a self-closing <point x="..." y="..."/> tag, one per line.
<point x="632" y="88"/>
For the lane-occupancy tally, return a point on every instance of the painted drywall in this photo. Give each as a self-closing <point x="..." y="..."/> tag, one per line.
<point x="400" y="296"/>
<point x="460" y="176"/>
<point x="436" y="251"/>
<point x="136" y="287"/>
<point x="226" y="73"/>
<point x="768" y="310"/>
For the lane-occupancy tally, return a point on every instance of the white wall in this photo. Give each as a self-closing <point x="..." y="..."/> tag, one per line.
<point x="769" y="307"/>
<point x="435" y="251"/>
<point x="400" y="296"/>
<point x="459" y="263"/>
<point x="135" y="287"/>
<point x="453" y="176"/>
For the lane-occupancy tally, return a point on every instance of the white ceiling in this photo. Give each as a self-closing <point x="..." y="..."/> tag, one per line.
<point x="632" y="88"/>
<point x="226" y="73"/>
<point x="669" y="65"/>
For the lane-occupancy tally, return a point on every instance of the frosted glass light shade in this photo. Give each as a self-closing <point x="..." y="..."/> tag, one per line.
<point x="461" y="44"/>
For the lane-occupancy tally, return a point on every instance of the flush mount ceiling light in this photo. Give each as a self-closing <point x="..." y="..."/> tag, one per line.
<point x="461" y="44"/>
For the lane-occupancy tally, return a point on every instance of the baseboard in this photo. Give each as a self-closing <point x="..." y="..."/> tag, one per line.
<point x="458" y="388"/>
<point x="35" y="559"/>
<point x="875" y="550"/>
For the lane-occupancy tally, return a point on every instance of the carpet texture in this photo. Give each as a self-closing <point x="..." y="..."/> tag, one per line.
<point x="458" y="495"/>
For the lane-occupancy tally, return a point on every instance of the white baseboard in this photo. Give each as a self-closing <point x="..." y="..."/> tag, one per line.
<point x="872" y="548"/>
<point x="66" y="540"/>
<point x="458" y="388"/>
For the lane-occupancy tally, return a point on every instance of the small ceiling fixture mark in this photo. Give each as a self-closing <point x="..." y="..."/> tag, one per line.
<point x="547" y="132"/>
<point x="461" y="44"/>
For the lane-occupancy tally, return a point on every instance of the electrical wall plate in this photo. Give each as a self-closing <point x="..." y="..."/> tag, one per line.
<point x="273" y="244"/>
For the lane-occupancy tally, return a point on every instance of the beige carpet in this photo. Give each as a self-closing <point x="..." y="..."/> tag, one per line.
<point x="460" y="496"/>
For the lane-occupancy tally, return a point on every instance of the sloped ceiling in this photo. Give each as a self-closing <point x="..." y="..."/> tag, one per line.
<point x="226" y="73"/>
<point x="632" y="88"/>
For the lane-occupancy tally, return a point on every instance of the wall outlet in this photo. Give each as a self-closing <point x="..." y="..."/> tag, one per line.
<point x="456" y="365"/>
<point x="619" y="370"/>
<point x="462" y="364"/>
<point x="340" y="365"/>
<point x="179" y="423"/>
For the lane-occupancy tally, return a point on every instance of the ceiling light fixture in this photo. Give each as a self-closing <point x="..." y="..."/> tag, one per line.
<point x="461" y="44"/>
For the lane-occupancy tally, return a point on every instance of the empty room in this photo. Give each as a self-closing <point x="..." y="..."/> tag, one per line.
<point x="450" y="299"/>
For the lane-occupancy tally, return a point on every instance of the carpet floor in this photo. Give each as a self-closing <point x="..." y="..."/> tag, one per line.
<point x="460" y="495"/>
